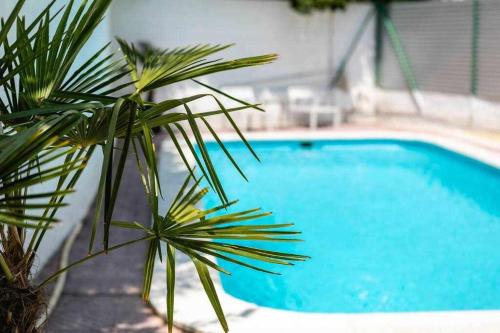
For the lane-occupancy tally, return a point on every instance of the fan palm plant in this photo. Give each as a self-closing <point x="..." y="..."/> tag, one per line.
<point x="55" y="114"/>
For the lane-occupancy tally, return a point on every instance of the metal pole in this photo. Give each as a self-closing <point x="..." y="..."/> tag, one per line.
<point x="474" y="47"/>
<point x="378" y="48"/>
<point x="401" y="55"/>
<point x="331" y="42"/>
<point x="350" y="50"/>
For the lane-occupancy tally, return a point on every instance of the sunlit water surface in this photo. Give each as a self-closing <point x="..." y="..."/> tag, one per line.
<point x="390" y="226"/>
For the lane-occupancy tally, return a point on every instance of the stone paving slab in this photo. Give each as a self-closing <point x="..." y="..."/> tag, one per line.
<point x="104" y="314"/>
<point x="103" y="295"/>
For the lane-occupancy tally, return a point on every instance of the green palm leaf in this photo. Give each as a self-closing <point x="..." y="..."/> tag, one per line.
<point x="28" y="158"/>
<point x="162" y="68"/>
<point x="202" y="234"/>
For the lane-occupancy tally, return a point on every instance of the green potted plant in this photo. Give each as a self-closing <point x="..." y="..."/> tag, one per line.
<point x="55" y="114"/>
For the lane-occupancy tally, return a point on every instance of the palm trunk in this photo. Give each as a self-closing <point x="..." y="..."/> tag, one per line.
<point x="20" y="309"/>
<point x="20" y="303"/>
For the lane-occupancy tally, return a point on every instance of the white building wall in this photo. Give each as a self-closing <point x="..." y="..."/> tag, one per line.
<point x="80" y="201"/>
<point x="309" y="46"/>
<point x="256" y="27"/>
<point x="460" y="110"/>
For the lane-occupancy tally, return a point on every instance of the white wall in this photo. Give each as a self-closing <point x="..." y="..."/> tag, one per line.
<point x="461" y="110"/>
<point x="305" y="43"/>
<point x="80" y="201"/>
<point x="256" y="27"/>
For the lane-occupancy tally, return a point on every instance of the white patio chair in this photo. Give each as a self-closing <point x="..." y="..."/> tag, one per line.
<point x="306" y="100"/>
<point x="204" y="104"/>
<point x="244" y="93"/>
<point x="273" y="116"/>
<point x="300" y="101"/>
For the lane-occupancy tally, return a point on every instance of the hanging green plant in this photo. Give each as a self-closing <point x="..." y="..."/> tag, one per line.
<point x="308" y="6"/>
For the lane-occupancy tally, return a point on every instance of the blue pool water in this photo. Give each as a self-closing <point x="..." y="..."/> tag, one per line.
<point x="390" y="226"/>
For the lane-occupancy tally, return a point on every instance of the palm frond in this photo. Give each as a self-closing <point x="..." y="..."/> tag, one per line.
<point x="10" y="21"/>
<point x="203" y="234"/>
<point x="32" y="157"/>
<point x="47" y="57"/>
<point x="162" y="68"/>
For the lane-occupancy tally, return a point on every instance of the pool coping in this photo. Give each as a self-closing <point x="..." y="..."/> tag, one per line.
<point x="193" y="311"/>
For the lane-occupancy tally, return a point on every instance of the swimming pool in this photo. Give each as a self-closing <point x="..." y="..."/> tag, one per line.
<point x="391" y="226"/>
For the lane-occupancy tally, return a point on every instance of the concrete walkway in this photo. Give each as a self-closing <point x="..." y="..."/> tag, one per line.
<point x="103" y="295"/>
